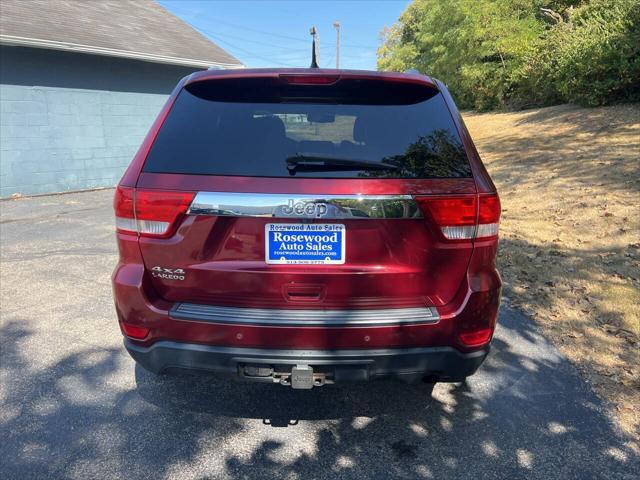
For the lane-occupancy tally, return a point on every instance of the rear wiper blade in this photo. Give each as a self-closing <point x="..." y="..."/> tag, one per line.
<point x="317" y="163"/>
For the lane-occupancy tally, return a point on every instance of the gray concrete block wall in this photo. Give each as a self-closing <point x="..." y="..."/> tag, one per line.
<point x="74" y="121"/>
<point x="55" y="139"/>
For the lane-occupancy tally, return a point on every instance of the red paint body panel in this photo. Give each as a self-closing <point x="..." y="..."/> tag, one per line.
<point x="391" y="263"/>
<point x="475" y="304"/>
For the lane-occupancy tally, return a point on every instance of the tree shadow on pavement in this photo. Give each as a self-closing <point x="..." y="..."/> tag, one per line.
<point x="525" y="414"/>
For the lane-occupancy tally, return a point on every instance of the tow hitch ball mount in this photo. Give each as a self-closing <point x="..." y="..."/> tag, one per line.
<point x="301" y="376"/>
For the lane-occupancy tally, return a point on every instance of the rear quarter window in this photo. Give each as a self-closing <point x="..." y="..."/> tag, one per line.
<point x="212" y="130"/>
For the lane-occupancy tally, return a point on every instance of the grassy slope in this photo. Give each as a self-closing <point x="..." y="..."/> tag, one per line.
<point x="569" y="180"/>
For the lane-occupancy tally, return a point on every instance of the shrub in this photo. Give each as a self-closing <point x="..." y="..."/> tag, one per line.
<point x="519" y="53"/>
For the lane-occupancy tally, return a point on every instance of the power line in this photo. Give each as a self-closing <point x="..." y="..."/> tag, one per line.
<point x="248" y="53"/>
<point x="289" y="61"/>
<point x="259" y="42"/>
<point x="235" y="47"/>
<point x="297" y="39"/>
<point x="259" y="31"/>
<point x="329" y="61"/>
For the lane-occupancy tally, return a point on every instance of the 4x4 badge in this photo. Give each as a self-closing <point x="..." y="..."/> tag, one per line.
<point x="168" y="273"/>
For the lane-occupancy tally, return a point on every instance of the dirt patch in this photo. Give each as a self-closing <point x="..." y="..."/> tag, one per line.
<point x="569" y="180"/>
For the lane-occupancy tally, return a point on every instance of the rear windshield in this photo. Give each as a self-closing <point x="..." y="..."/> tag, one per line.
<point x="351" y="130"/>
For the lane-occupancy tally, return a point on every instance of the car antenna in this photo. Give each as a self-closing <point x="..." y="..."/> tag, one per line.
<point x="314" y="61"/>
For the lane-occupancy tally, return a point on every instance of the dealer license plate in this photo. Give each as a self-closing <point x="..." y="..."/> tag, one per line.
<point x="305" y="243"/>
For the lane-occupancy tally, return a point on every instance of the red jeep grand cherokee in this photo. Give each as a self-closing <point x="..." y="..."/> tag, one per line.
<point x="307" y="227"/>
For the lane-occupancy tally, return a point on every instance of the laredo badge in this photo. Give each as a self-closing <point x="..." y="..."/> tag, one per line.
<point x="168" y="273"/>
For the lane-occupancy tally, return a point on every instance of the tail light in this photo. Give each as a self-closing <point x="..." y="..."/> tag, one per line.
<point x="456" y="216"/>
<point x="134" y="331"/>
<point x="123" y="206"/>
<point x="149" y="213"/>
<point x="488" y="215"/>
<point x="157" y="212"/>
<point x="464" y="217"/>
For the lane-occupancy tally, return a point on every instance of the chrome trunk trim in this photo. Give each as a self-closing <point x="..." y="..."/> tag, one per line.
<point x="270" y="205"/>
<point x="303" y="318"/>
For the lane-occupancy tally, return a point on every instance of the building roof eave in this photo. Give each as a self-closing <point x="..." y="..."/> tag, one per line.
<point x="149" y="57"/>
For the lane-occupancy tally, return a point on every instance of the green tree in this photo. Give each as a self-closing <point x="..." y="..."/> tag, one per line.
<point x="472" y="45"/>
<point x="592" y="57"/>
<point x="497" y="53"/>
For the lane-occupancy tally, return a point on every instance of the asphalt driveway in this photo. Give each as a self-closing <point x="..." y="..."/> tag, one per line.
<point x="73" y="404"/>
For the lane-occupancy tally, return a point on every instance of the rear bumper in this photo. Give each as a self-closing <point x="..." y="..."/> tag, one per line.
<point x="409" y="340"/>
<point x="411" y="364"/>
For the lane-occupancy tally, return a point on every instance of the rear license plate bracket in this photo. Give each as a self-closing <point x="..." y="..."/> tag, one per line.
<point x="305" y="243"/>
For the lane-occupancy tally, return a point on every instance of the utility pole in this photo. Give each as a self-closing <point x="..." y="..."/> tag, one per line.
<point x="337" y="27"/>
<point x="315" y="57"/>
